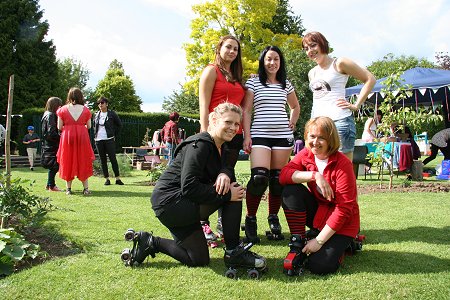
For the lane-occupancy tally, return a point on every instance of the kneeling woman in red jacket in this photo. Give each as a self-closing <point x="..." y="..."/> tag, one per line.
<point x="329" y="204"/>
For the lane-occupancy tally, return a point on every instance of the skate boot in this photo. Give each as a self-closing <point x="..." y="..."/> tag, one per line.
<point x="275" y="228"/>
<point x="211" y="238"/>
<point x="250" y="229"/>
<point x="143" y="246"/>
<point x="242" y="258"/>
<point x="295" y="259"/>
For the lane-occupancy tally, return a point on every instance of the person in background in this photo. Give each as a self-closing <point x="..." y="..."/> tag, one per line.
<point x="370" y="127"/>
<point x="50" y="141"/>
<point x="31" y="139"/>
<point x="170" y="134"/>
<point x="2" y="140"/>
<point x="328" y="205"/>
<point x="327" y="81"/>
<point x="221" y="82"/>
<point x="195" y="185"/>
<point x="75" y="155"/>
<point x="106" y="127"/>
<point x="439" y="141"/>
<point x="270" y="139"/>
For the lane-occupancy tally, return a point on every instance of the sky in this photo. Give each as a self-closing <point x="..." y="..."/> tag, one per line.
<point x="147" y="35"/>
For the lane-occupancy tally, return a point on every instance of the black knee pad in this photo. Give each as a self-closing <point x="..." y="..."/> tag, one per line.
<point x="274" y="184"/>
<point x="259" y="181"/>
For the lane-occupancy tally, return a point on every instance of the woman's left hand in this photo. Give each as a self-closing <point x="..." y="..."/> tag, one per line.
<point x="311" y="247"/>
<point x="222" y="184"/>
<point x="342" y="103"/>
<point x="291" y="125"/>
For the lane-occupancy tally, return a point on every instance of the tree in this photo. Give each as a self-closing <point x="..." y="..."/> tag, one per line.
<point x="247" y="20"/>
<point x="391" y="64"/>
<point x="443" y="60"/>
<point x="284" y="21"/>
<point x="25" y="53"/>
<point x="71" y="73"/>
<point x="181" y="101"/>
<point x="119" y="89"/>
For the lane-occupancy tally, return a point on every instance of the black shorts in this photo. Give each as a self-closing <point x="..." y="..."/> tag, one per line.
<point x="273" y="143"/>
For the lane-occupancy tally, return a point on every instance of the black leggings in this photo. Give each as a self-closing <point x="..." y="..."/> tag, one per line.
<point x="297" y="197"/>
<point x="107" y="147"/>
<point x="434" y="151"/>
<point x="189" y="244"/>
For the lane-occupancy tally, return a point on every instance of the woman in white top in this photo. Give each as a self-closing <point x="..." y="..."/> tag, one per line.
<point x="327" y="82"/>
<point x="370" y="127"/>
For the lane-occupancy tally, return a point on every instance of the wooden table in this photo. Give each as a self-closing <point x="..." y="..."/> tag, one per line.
<point x="133" y="153"/>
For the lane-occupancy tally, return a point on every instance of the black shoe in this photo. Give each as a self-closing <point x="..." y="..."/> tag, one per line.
<point x="143" y="246"/>
<point x="251" y="228"/>
<point x="31" y="169"/>
<point x="119" y="182"/>
<point x="241" y="257"/>
<point x="107" y="182"/>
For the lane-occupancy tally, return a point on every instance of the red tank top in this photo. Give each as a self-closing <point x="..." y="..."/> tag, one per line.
<point x="225" y="91"/>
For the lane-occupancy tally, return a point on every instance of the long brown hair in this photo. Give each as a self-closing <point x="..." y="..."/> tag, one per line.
<point x="236" y="65"/>
<point x="53" y="103"/>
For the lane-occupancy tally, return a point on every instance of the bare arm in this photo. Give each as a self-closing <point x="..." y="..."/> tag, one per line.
<point x="349" y="67"/>
<point x="295" y="109"/>
<point x="247" y="108"/>
<point x="60" y="124"/>
<point x="206" y="86"/>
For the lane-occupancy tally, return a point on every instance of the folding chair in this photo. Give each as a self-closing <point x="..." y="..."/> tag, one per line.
<point x="360" y="157"/>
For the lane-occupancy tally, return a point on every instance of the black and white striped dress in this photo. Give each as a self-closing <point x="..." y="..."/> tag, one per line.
<point x="270" y="118"/>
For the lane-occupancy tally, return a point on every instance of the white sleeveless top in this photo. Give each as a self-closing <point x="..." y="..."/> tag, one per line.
<point x="328" y="86"/>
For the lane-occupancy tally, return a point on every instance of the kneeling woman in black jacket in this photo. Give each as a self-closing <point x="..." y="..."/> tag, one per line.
<point x="194" y="186"/>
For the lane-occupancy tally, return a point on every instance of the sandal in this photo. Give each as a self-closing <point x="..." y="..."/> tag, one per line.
<point x="69" y="191"/>
<point x="86" y="191"/>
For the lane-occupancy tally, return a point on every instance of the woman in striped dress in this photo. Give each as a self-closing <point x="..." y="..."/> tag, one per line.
<point x="269" y="137"/>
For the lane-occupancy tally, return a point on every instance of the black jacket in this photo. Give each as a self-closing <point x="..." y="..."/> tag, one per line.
<point x="192" y="174"/>
<point x="50" y="140"/>
<point x="112" y="123"/>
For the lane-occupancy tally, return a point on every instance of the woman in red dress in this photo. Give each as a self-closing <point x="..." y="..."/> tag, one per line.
<point x="75" y="154"/>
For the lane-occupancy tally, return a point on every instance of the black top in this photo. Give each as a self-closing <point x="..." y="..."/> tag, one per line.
<point x="192" y="174"/>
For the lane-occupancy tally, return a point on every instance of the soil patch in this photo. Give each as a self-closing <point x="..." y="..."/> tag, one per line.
<point x="435" y="187"/>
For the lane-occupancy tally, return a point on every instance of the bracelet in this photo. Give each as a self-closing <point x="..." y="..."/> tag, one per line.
<point x="320" y="242"/>
<point x="313" y="177"/>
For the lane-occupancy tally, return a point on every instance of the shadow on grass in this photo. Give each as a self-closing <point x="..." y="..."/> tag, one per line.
<point x="422" y="234"/>
<point x="52" y="243"/>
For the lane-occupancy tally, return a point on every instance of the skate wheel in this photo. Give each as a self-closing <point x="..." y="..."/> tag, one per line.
<point x="129" y="235"/>
<point x="253" y="274"/>
<point x="125" y="255"/>
<point x="231" y="273"/>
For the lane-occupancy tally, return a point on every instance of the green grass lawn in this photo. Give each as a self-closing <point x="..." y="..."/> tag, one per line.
<point x="406" y="254"/>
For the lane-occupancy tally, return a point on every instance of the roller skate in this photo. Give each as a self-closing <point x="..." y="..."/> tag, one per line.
<point x="250" y="227"/>
<point x="242" y="258"/>
<point x="211" y="238"/>
<point x="355" y="245"/>
<point x="295" y="259"/>
<point x="143" y="246"/>
<point x="275" y="228"/>
<point x="219" y="229"/>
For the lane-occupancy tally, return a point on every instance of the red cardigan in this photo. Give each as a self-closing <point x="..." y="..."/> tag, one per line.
<point x="342" y="212"/>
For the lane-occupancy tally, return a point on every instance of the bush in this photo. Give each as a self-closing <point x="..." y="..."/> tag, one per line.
<point x="14" y="249"/>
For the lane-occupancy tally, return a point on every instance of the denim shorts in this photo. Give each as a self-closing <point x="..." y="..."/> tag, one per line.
<point x="347" y="133"/>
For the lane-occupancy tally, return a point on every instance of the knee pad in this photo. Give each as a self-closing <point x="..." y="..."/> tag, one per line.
<point x="259" y="181"/>
<point x="274" y="184"/>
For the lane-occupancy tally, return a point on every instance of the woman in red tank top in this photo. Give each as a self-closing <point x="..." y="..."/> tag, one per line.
<point x="222" y="82"/>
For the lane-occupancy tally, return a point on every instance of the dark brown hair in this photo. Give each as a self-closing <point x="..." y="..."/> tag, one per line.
<point x="53" y="103"/>
<point x="75" y="96"/>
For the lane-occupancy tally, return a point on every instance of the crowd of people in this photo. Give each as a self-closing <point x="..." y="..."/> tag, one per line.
<point x="316" y="189"/>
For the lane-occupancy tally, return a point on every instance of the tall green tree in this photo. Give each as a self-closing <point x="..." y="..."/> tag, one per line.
<point x="71" y="72"/>
<point x="25" y="53"/>
<point x="250" y="21"/>
<point x="119" y="89"/>
<point x="181" y="101"/>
